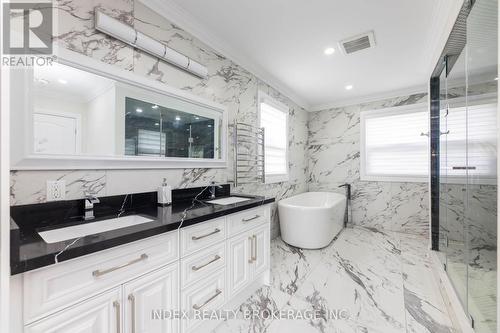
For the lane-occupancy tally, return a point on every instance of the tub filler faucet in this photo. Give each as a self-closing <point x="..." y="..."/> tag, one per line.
<point x="347" y="215"/>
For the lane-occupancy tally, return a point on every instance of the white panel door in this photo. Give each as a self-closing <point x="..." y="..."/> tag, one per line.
<point x="56" y="134"/>
<point x="238" y="270"/>
<point x="96" y="315"/>
<point x="158" y="290"/>
<point x="261" y="239"/>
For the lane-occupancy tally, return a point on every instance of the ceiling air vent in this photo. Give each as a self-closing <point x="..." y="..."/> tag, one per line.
<point x="357" y="43"/>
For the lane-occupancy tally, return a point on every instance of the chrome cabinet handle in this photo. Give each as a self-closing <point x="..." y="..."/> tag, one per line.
<point x="217" y="293"/>
<point x="116" y="305"/>
<point x="203" y="236"/>
<point x="255" y="248"/>
<point x="131" y="298"/>
<point x="464" y="168"/>
<point x="250" y="219"/>
<point x="197" y="268"/>
<point x="98" y="272"/>
<point x="251" y="249"/>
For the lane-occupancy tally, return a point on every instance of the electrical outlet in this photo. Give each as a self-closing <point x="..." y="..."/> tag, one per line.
<point x="56" y="190"/>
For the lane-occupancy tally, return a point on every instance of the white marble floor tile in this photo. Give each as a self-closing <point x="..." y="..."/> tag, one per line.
<point x="382" y="280"/>
<point x="290" y="265"/>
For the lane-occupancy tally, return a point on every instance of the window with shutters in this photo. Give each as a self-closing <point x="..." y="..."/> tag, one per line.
<point x="394" y="144"/>
<point x="274" y="120"/>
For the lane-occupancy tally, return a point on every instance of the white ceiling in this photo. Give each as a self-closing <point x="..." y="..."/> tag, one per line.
<point x="282" y="41"/>
<point x="68" y="83"/>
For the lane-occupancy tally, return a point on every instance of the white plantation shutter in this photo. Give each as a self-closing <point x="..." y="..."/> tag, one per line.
<point x="481" y="142"/>
<point x="148" y="143"/>
<point x="393" y="147"/>
<point x="274" y="120"/>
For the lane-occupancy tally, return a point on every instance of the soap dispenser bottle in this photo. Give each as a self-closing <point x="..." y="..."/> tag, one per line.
<point x="164" y="194"/>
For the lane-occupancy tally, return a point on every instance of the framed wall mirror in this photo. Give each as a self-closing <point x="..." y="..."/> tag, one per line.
<point x="79" y="113"/>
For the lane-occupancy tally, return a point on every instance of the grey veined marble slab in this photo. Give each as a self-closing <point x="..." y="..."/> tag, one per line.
<point x="383" y="280"/>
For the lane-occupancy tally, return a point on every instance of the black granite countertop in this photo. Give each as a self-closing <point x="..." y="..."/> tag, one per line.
<point x="29" y="251"/>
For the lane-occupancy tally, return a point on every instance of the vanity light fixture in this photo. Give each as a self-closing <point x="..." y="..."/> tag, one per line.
<point x="329" y="51"/>
<point x="137" y="39"/>
<point x="138" y="110"/>
<point x="348" y="87"/>
<point x="62" y="81"/>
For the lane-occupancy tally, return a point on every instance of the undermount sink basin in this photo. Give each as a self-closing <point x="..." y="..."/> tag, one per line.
<point x="228" y="201"/>
<point x="82" y="230"/>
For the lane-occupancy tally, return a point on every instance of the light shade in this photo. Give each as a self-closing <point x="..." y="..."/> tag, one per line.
<point x="197" y="68"/>
<point x="176" y="58"/>
<point x="114" y="28"/>
<point x="150" y="45"/>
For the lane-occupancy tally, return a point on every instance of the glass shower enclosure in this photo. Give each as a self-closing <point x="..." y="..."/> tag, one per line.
<point x="463" y="122"/>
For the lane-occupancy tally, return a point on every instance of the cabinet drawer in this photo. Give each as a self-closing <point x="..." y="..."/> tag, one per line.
<point x="203" y="263"/>
<point x="99" y="314"/>
<point x="208" y="294"/>
<point x="247" y="219"/>
<point x="56" y="287"/>
<point x="202" y="235"/>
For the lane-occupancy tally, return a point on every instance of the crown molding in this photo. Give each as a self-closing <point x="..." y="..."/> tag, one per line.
<point x="177" y="15"/>
<point x="370" y="98"/>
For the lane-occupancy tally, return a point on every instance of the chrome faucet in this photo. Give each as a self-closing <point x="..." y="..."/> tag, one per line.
<point x="213" y="186"/>
<point x="89" y="201"/>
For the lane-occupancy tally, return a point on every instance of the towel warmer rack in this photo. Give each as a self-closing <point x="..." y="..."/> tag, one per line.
<point x="249" y="154"/>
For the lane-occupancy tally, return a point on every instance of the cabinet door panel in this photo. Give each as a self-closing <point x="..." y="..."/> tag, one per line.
<point x="239" y="274"/>
<point x="154" y="291"/>
<point x="96" y="315"/>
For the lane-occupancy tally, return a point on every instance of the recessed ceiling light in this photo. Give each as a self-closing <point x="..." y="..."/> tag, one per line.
<point x="177" y="118"/>
<point x="154" y="107"/>
<point x="329" y="51"/>
<point x="348" y="87"/>
<point x="138" y="110"/>
<point x="62" y="81"/>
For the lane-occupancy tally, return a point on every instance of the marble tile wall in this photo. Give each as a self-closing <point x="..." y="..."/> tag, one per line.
<point x="334" y="159"/>
<point x="227" y="83"/>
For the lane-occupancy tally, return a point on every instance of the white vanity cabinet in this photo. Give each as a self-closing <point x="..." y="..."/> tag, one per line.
<point x="212" y="265"/>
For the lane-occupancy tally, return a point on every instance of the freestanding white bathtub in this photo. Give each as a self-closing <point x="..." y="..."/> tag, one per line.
<point x="311" y="220"/>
